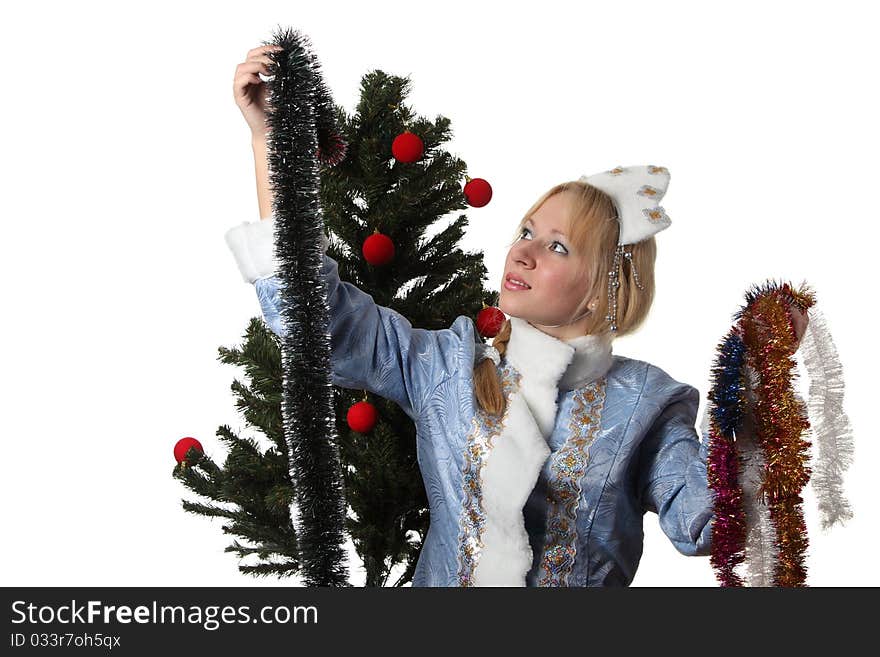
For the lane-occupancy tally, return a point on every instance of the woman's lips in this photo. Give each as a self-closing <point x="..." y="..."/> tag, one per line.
<point x="508" y="285"/>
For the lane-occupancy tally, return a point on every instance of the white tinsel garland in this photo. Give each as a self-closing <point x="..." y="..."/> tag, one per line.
<point x="829" y="423"/>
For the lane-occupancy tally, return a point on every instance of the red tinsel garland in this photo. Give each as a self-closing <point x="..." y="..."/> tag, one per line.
<point x="729" y="526"/>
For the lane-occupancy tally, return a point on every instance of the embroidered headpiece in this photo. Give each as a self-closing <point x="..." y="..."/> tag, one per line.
<point x="636" y="192"/>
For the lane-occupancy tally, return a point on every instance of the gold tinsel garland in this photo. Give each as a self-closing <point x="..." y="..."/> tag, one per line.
<point x="780" y="420"/>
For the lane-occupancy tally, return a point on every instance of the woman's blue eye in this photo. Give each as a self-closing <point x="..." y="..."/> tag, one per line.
<point x="564" y="251"/>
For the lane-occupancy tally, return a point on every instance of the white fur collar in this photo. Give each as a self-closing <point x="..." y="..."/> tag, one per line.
<point x="566" y="364"/>
<point x="548" y="365"/>
<point x="592" y="360"/>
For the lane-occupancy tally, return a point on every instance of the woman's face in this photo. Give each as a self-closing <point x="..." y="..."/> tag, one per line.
<point x="543" y="257"/>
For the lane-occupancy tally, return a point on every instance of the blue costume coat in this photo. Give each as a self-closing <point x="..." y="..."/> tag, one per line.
<point x="552" y="493"/>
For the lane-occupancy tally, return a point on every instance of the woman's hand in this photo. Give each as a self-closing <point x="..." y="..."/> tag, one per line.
<point x="250" y="91"/>
<point x="758" y="331"/>
<point x="800" y="321"/>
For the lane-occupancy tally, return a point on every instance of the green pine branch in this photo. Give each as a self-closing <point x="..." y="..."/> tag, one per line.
<point x="255" y="482"/>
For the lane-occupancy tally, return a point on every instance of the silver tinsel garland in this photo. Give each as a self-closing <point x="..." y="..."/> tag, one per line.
<point x="829" y="423"/>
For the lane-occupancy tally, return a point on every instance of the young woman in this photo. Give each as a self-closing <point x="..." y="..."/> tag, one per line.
<point x="540" y="455"/>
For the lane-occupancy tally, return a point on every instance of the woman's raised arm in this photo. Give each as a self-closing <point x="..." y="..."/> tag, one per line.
<point x="372" y="347"/>
<point x="249" y="92"/>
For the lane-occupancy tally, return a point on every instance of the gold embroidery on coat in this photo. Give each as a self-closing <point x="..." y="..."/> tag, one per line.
<point x="484" y="429"/>
<point x="567" y="467"/>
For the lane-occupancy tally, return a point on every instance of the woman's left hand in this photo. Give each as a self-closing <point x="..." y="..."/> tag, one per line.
<point x="800" y="321"/>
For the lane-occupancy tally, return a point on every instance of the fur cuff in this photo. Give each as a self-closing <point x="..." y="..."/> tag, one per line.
<point x="253" y="245"/>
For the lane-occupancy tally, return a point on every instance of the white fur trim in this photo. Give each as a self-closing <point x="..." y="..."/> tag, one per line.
<point x="253" y="245"/>
<point x="592" y="360"/>
<point x="508" y="477"/>
<point x="541" y="359"/>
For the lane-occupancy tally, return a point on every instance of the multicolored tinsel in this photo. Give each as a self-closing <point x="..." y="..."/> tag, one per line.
<point x="728" y="401"/>
<point x="758" y="426"/>
<point x="302" y="133"/>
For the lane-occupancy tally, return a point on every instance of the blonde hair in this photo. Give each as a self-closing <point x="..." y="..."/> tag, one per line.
<point x="593" y="232"/>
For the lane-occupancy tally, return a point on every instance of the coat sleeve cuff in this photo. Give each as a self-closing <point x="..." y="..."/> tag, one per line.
<point x="253" y="245"/>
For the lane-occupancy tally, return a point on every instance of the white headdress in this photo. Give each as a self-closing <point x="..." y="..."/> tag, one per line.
<point x="636" y="192"/>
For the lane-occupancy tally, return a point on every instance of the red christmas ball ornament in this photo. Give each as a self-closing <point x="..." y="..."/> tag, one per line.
<point x="182" y="447"/>
<point x="407" y="147"/>
<point x="489" y="321"/>
<point x="361" y="417"/>
<point x="378" y="249"/>
<point x="478" y="192"/>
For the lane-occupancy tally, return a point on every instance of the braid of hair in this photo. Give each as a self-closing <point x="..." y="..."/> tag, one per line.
<point x="487" y="382"/>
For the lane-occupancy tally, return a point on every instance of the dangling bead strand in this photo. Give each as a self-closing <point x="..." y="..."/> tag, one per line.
<point x="629" y="256"/>
<point x="613" y="284"/>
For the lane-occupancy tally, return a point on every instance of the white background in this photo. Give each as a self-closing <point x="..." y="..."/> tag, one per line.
<point x="125" y="160"/>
